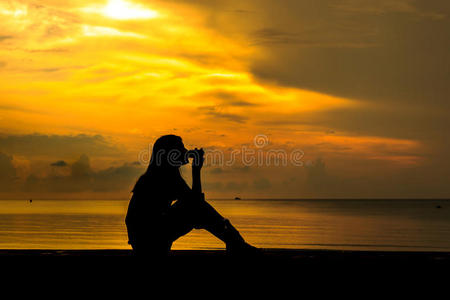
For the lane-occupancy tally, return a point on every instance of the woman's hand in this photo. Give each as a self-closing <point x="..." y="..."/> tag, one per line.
<point x="198" y="158"/>
<point x="197" y="164"/>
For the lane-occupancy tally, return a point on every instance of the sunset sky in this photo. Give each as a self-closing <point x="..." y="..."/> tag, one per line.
<point x="361" y="88"/>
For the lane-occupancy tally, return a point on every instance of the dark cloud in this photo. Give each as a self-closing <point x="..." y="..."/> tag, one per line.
<point x="400" y="75"/>
<point x="380" y="52"/>
<point x="388" y="54"/>
<point x="212" y="185"/>
<point x="242" y="11"/>
<point x="5" y="37"/>
<point x="50" y="50"/>
<point x="323" y="181"/>
<point x="81" y="169"/>
<point x="216" y="171"/>
<point x="82" y="178"/>
<point x="318" y="178"/>
<point x="234" y="169"/>
<point x="244" y="169"/>
<point x="117" y="178"/>
<point x="226" y="98"/>
<point x="232" y="99"/>
<point x="19" y="108"/>
<point x="57" y="69"/>
<point x="8" y="174"/>
<point x="392" y="122"/>
<point x="205" y="59"/>
<point x="236" y="186"/>
<point x="261" y="184"/>
<point x="49" y="70"/>
<point x="57" y="145"/>
<point x="59" y="163"/>
<point x="215" y="113"/>
<point x="274" y="36"/>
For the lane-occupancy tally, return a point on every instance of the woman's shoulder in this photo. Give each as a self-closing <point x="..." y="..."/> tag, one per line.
<point x="141" y="183"/>
<point x="148" y="182"/>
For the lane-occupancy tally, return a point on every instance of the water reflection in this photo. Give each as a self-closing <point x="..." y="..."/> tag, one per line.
<point x="321" y="224"/>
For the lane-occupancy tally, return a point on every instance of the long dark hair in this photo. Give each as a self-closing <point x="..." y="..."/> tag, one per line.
<point x="160" y="161"/>
<point x="160" y="167"/>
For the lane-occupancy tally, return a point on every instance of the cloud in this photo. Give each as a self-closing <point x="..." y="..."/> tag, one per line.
<point x="82" y="178"/>
<point x="261" y="183"/>
<point x="8" y="172"/>
<point x="50" y="50"/>
<point x="59" y="163"/>
<point x="404" y="62"/>
<point x="5" y="37"/>
<point x="18" y="108"/>
<point x="57" y="145"/>
<point x="274" y="36"/>
<point x="227" y="98"/>
<point x="81" y="169"/>
<point x="370" y="120"/>
<point x="117" y="178"/>
<point x="25" y="21"/>
<point x="383" y="53"/>
<point x="214" y="113"/>
<point x="385" y="7"/>
<point x="233" y="169"/>
<point x="49" y="70"/>
<point x="236" y="186"/>
<point x="216" y="171"/>
<point x="318" y="178"/>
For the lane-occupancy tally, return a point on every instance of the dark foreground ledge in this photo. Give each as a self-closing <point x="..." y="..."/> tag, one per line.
<point x="273" y="253"/>
<point x="291" y="255"/>
<point x="286" y="267"/>
<point x="279" y="257"/>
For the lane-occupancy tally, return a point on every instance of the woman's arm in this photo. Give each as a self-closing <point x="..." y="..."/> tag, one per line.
<point x="185" y="193"/>
<point x="196" y="181"/>
<point x="197" y="165"/>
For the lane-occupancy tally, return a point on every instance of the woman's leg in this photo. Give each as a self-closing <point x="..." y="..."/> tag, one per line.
<point x="200" y="214"/>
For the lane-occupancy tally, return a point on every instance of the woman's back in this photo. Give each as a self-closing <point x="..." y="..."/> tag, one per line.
<point x="153" y="194"/>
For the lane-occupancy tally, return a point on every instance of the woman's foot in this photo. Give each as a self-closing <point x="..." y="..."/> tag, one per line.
<point x="242" y="249"/>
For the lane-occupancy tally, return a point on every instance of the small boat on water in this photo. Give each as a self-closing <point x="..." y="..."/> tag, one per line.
<point x="237" y="198"/>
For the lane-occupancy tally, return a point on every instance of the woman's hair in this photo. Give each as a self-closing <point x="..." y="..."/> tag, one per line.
<point x="159" y="166"/>
<point x="163" y="146"/>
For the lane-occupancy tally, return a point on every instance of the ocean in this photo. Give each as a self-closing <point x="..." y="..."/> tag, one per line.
<point x="391" y="225"/>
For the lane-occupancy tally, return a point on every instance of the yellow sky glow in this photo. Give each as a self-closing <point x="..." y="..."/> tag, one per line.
<point x="132" y="75"/>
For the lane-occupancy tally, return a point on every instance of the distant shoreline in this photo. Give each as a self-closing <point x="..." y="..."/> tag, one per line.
<point x="266" y="251"/>
<point x="244" y="199"/>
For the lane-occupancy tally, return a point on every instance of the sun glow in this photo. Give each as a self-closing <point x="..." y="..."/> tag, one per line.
<point x="105" y="31"/>
<point x="123" y="10"/>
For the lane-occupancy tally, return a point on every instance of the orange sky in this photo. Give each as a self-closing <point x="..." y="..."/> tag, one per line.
<point x="117" y="74"/>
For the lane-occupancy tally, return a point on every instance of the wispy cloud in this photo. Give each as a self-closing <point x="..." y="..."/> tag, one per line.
<point x="213" y="113"/>
<point x="5" y="37"/>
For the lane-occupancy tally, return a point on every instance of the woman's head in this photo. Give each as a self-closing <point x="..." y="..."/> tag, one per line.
<point x="169" y="152"/>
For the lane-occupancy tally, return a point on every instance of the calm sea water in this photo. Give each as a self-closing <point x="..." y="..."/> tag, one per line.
<point x="400" y="225"/>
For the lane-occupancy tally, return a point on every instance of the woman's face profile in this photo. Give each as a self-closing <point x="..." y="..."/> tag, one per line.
<point x="170" y="153"/>
<point x="177" y="156"/>
<point x="183" y="157"/>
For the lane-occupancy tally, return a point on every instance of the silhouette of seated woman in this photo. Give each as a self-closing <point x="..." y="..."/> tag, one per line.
<point x="154" y="222"/>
